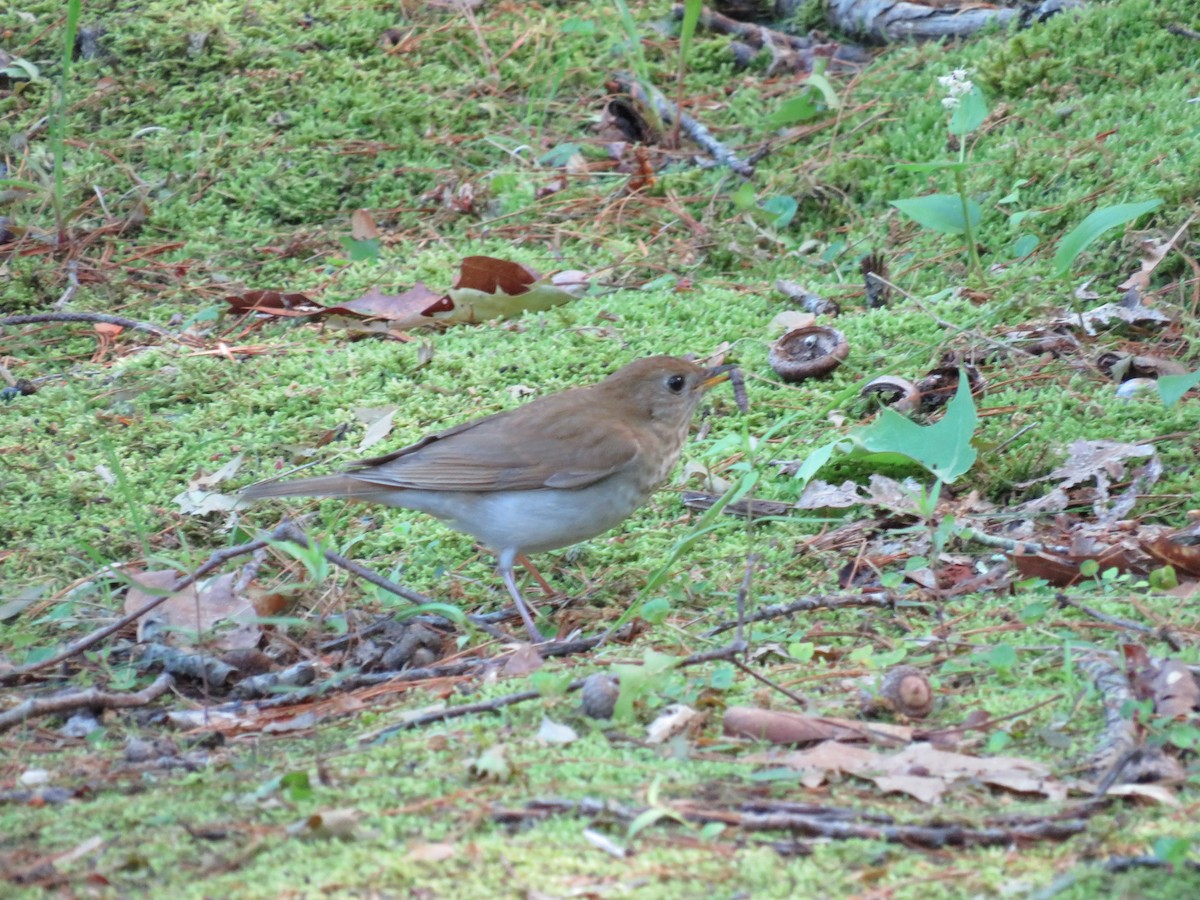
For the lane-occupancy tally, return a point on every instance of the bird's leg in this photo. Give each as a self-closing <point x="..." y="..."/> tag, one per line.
<point x="507" y="558"/>
<point x="537" y="576"/>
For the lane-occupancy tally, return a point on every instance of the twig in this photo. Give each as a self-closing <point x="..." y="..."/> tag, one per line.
<point x="215" y="561"/>
<point x="742" y="594"/>
<point x="808" y="604"/>
<point x="453" y="712"/>
<point x="72" y="285"/>
<point x="1173" y="642"/>
<point x="1120" y="732"/>
<point x="984" y="726"/>
<point x="697" y="132"/>
<point x="795" y="698"/>
<point x="297" y="536"/>
<point x="756" y="36"/>
<point x="92" y="698"/>
<point x="1181" y="31"/>
<point x="835" y="827"/>
<point x="94" y="318"/>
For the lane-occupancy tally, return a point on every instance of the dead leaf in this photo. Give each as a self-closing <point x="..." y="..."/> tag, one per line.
<point x="286" y="304"/>
<point x="675" y="719"/>
<point x="431" y="853"/>
<point x="332" y="823"/>
<point x="1183" y="557"/>
<point x="489" y="288"/>
<point x="921" y="770"/>
<point x="379" y="424"/>
<point x="1155" y="792"/>
<point x="781" y="727"/>
<point x="1176" y="694"/>
<point x="409" y="309"/>
<point x="522" y="661"/>
<point x="192" y="615"/>
<point x="551" y="732"/>
<point x="362" y="226"/>
<point x="489" y="275"/>
<point x="790" y="319"/>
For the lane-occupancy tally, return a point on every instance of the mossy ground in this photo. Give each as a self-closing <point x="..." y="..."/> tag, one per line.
<point x="249" y="132"/>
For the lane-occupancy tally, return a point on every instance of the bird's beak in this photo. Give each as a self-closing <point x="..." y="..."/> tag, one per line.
<point x="716" y="375"/>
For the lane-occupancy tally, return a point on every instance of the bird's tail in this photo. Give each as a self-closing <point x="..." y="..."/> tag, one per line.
<point x="321" y="486"/>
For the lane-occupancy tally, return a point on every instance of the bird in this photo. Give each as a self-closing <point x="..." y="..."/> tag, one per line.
<point x="555" y="471"/>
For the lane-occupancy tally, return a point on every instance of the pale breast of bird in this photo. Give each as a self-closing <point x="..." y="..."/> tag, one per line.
<point x="532" y="521"/>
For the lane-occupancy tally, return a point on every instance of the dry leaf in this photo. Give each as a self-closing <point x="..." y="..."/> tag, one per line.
<point x="362" y="226"/>
<point x="552" y="732"/>
<point x="675" y="719"/>
<point x="192" y="615"/>
<point x="522" y="661"/>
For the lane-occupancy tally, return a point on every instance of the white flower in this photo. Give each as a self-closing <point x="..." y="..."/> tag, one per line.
<point x="957" y="83"/>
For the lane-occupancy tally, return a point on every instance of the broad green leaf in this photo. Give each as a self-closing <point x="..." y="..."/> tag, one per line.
<point x="801" y="108"/>
<point x="823" y="84"/>
<point x="940" y="212"/>
<point x="453" y="613"/>
<point x="944" y="448"/>
<point x="814" y="462"/>
<point x="1024" y="245"/>
<point x="1171" y="388"/>
<point x="743" y="198"/>
<point x="969" y="114"/>
<point x="1095" y="225"/>
<point x="781" y="208"/>
<point x="576" y="25"/>
<point x="559" y="155"/>
<point x="1018" y="217"/>
<point x="358" y="251"/>
<point x="1015" y="195"/>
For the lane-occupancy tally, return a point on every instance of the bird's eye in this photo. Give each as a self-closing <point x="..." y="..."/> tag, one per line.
<point x="675" y="383"/>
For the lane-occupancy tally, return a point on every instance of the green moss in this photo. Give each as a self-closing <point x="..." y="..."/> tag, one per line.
<point x="249" y="151"/>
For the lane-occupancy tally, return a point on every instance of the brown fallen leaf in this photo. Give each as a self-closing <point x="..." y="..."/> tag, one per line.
<point x="408" y="309"/>
<point x="191" y="616"/>
<point x="1172" y="552"/>
<point x="921" y="770"/>
<point x="524" y="659"/>
<point x="287" y="304"/>
<point x="489" y="288"/>
<point x="781" y="727"/>
<point x="1176" y="694"/>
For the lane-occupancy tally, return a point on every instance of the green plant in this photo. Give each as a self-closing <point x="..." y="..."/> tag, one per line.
<point x="953" y="213"/>
<point x="691" y="18"/>
<point x="58" y="119"/>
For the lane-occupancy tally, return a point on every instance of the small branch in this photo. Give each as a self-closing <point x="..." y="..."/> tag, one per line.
<point x="1177" y="29"/>
<point x="93" y="318"/>
<point x="987" y="725"/>
<point x="1119" y="738"/>
<point x="92" y="698"/>
<point x="795" y="698"/>
<point x="808" y="604"/>
<point x="72" y="285"/>
<point x="297" y="536"/>
<point x="835" y="826"/>
<point x="214" y="562"/>
<point x="1064" y="600"/>
<point x="697" y="132"/>
<point x="728" y="654"/>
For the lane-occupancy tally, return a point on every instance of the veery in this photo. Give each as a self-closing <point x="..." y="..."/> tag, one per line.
<point x="551" y="473"/>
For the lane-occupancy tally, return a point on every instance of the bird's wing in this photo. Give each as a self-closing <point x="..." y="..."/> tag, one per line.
<point x="555" y="442"/>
